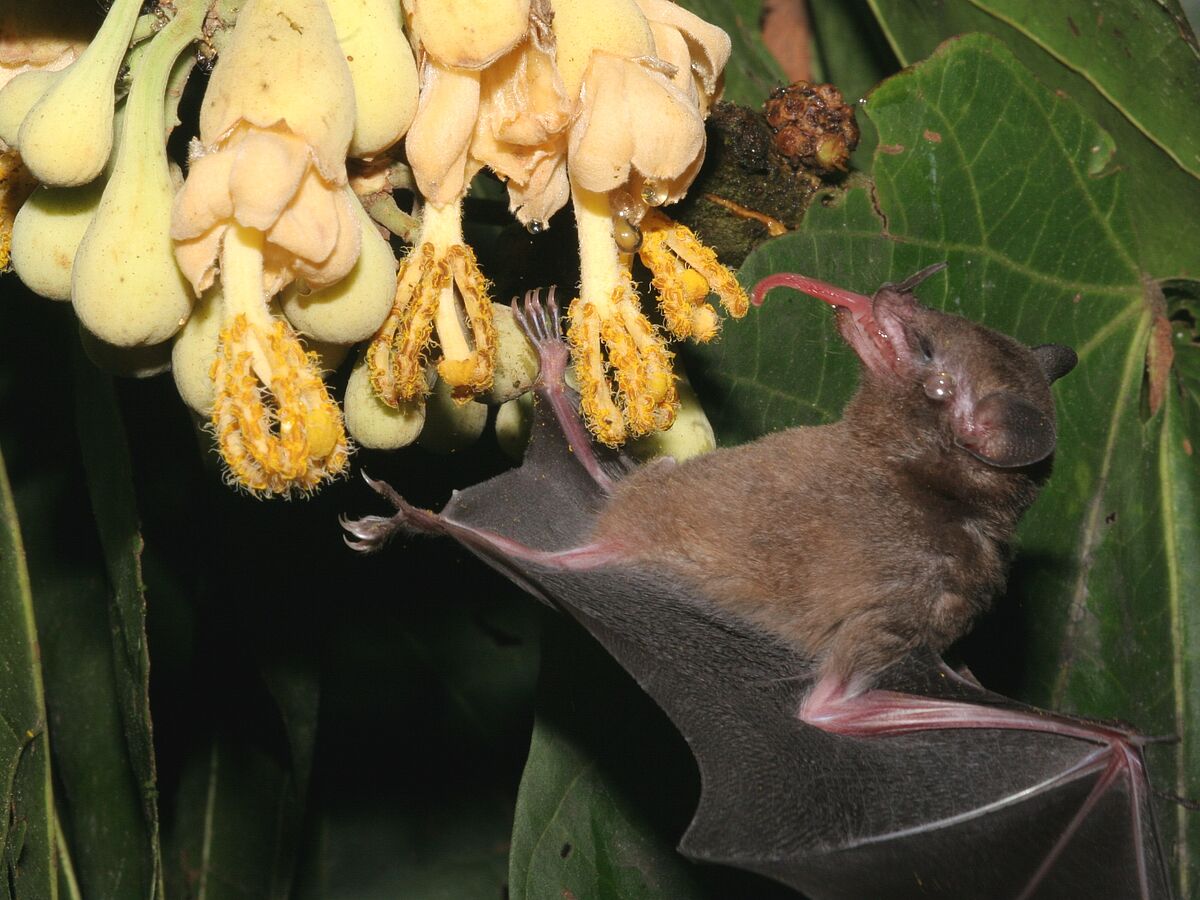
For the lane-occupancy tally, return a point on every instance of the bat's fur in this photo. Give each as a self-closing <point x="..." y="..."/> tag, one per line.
<point x="864" y="539"/>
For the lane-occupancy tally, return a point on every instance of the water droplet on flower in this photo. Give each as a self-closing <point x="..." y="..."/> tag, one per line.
<point x="627" y="235"/>
<point x="654" y="193"/>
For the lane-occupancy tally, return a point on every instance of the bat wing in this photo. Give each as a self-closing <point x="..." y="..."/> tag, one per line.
<point x="954" y="812"/>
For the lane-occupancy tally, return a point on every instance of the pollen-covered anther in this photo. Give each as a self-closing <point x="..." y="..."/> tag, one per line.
<point x="600" y="412"/>
<point x="278" y="429"/>
<point x="467" y="365"/>
<point x="627" y="387"/>
<point x="396" y="358"/>
<point x="645" y="378"/>
<point x="685" y="272"/>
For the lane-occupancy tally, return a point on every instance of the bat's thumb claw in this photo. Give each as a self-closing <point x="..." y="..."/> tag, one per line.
<point x="385" y="490"/>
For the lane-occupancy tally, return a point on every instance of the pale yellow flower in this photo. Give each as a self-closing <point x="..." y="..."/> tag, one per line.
<point x="264" y="204"/>
<point x="642" y="76"/>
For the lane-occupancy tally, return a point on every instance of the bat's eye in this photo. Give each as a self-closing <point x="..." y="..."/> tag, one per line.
<point x="939" y="386"/>
<point x="925" y="346"/>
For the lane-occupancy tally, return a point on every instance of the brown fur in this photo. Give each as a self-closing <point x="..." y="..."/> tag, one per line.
<point x="859" y="540"/>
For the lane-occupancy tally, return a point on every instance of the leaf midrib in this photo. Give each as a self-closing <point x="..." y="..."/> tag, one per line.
<point x="1085" y="74"/>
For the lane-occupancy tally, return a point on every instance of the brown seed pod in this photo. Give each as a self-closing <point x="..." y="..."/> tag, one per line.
<point x="814" y="126"/>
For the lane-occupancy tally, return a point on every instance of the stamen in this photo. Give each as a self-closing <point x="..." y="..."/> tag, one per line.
<point x="278" y="429"/>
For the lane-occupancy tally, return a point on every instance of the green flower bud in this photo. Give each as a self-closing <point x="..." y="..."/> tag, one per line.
<point x="46" y="235"/>
<point x="374" y="424"/>
<point x="67" y="136"/>
<point x="350" y="310"/>
<point x="126" y="286"/>
<point x="450" y="425"/>
<point x="516" y="364"/>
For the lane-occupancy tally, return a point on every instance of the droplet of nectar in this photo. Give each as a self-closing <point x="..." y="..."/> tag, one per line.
<point x="535" y="226"/>
<point x="654" y="193"/>
<point x="940" y="386"/>
<point x="627" y="235"/>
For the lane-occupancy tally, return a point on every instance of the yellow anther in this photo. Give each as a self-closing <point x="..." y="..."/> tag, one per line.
<point x="439" y="286"/>
<point x="470" y="374"/>
<point x="600" y="413"/>
<point x="627" y="387"/>
<point x="396" y="357"/>
<point x="685" y="272"/>
<point x="694" y="285"/>
<point x="324" y="431"/>
<point x="705" y="323"/>
<point x="16" y="184"/>
<point x="278" y="429"/>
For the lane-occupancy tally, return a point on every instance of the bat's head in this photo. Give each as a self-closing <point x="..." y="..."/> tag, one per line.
<point x="943" y="377"/>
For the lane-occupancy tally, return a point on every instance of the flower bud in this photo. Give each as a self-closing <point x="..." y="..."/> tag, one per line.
<point x="47" y="233"/>
<point x="374" y="424"/>
<point x="382" y="69"/>
<point x="126" y="286"/>
<point x="67" y="136"/>
<point x="352" y="309"/>
<point x="449" y="424"/>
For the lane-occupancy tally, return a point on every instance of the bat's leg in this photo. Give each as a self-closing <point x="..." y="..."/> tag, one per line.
<point x="370" y="533"/>
<point x="540" y="323"/>
<point x="840" y="707"/>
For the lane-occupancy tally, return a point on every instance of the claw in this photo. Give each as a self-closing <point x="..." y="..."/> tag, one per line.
<point x="372" y="532"/>
<point x="385" y="490"/>
<point x="539" y="322"/>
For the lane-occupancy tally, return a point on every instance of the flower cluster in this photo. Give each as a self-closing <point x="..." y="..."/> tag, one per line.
<point x="256" y="272"/>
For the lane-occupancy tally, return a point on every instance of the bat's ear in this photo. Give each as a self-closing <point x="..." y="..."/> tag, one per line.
<point x="1055" y="360"/>
<point x="1007" y="431"/>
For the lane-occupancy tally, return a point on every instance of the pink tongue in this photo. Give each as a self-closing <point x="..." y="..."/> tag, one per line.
<point x="858" y="304"/>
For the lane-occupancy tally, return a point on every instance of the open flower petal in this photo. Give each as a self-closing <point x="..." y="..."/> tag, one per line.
<point x="632" y="117"/>
<point x="267" y="170"/>
<point x="205" y="198"/>
<point x="307" y="88"/>
<point x="441" y="133"/>
<point x="709" y="45"/>
<point x="468" y="34"/>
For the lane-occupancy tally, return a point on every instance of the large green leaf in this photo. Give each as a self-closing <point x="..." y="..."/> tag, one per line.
<point x="98" y="796"/>
<point x="425" y="724"/>
<point x="110" y="487"/>
<point x="1109" y="44"/>
<point x="1163" y="199"/>
<point x="27" y="855"/>
<point x="982" y="166"/>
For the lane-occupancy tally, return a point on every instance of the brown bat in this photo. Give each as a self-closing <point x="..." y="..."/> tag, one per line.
<point x="786" y="602"/>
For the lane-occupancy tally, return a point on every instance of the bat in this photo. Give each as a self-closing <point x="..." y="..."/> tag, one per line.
<point x="787" y="602"/>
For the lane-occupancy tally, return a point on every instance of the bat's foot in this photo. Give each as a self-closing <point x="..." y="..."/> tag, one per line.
<point x="540" y="323"/>
<point x="370" y="533"/>
<point x="1115" y="760"/>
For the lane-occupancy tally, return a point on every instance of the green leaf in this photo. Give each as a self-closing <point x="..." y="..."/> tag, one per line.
<point x="110" y="486"/>
<point x="752" y="72"/>
<point x="608" y="789"/>
<point x="424" y="726"/>
<point x="1109" y="44"/>
<point x="237" y="828"/>
<point x="1163" y="199"/>
<point x="853" y="52"/>
<point x="27" y="812"/>
<point x="97" y="794"/>
<point x="982" y="166"/>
